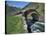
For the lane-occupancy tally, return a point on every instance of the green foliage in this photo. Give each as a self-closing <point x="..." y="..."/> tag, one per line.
<point x="14" y="25"/>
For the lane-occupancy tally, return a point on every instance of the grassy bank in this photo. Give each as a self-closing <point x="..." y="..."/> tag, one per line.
<point x="14" y="24"/>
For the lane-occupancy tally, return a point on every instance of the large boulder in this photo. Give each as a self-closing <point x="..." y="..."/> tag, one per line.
<point x="37" y="27"/>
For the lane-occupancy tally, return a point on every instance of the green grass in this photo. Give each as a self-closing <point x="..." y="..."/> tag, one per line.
<point x="14" y="24"/>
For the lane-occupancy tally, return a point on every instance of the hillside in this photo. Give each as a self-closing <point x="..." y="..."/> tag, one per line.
<point x="10" y="9"/>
